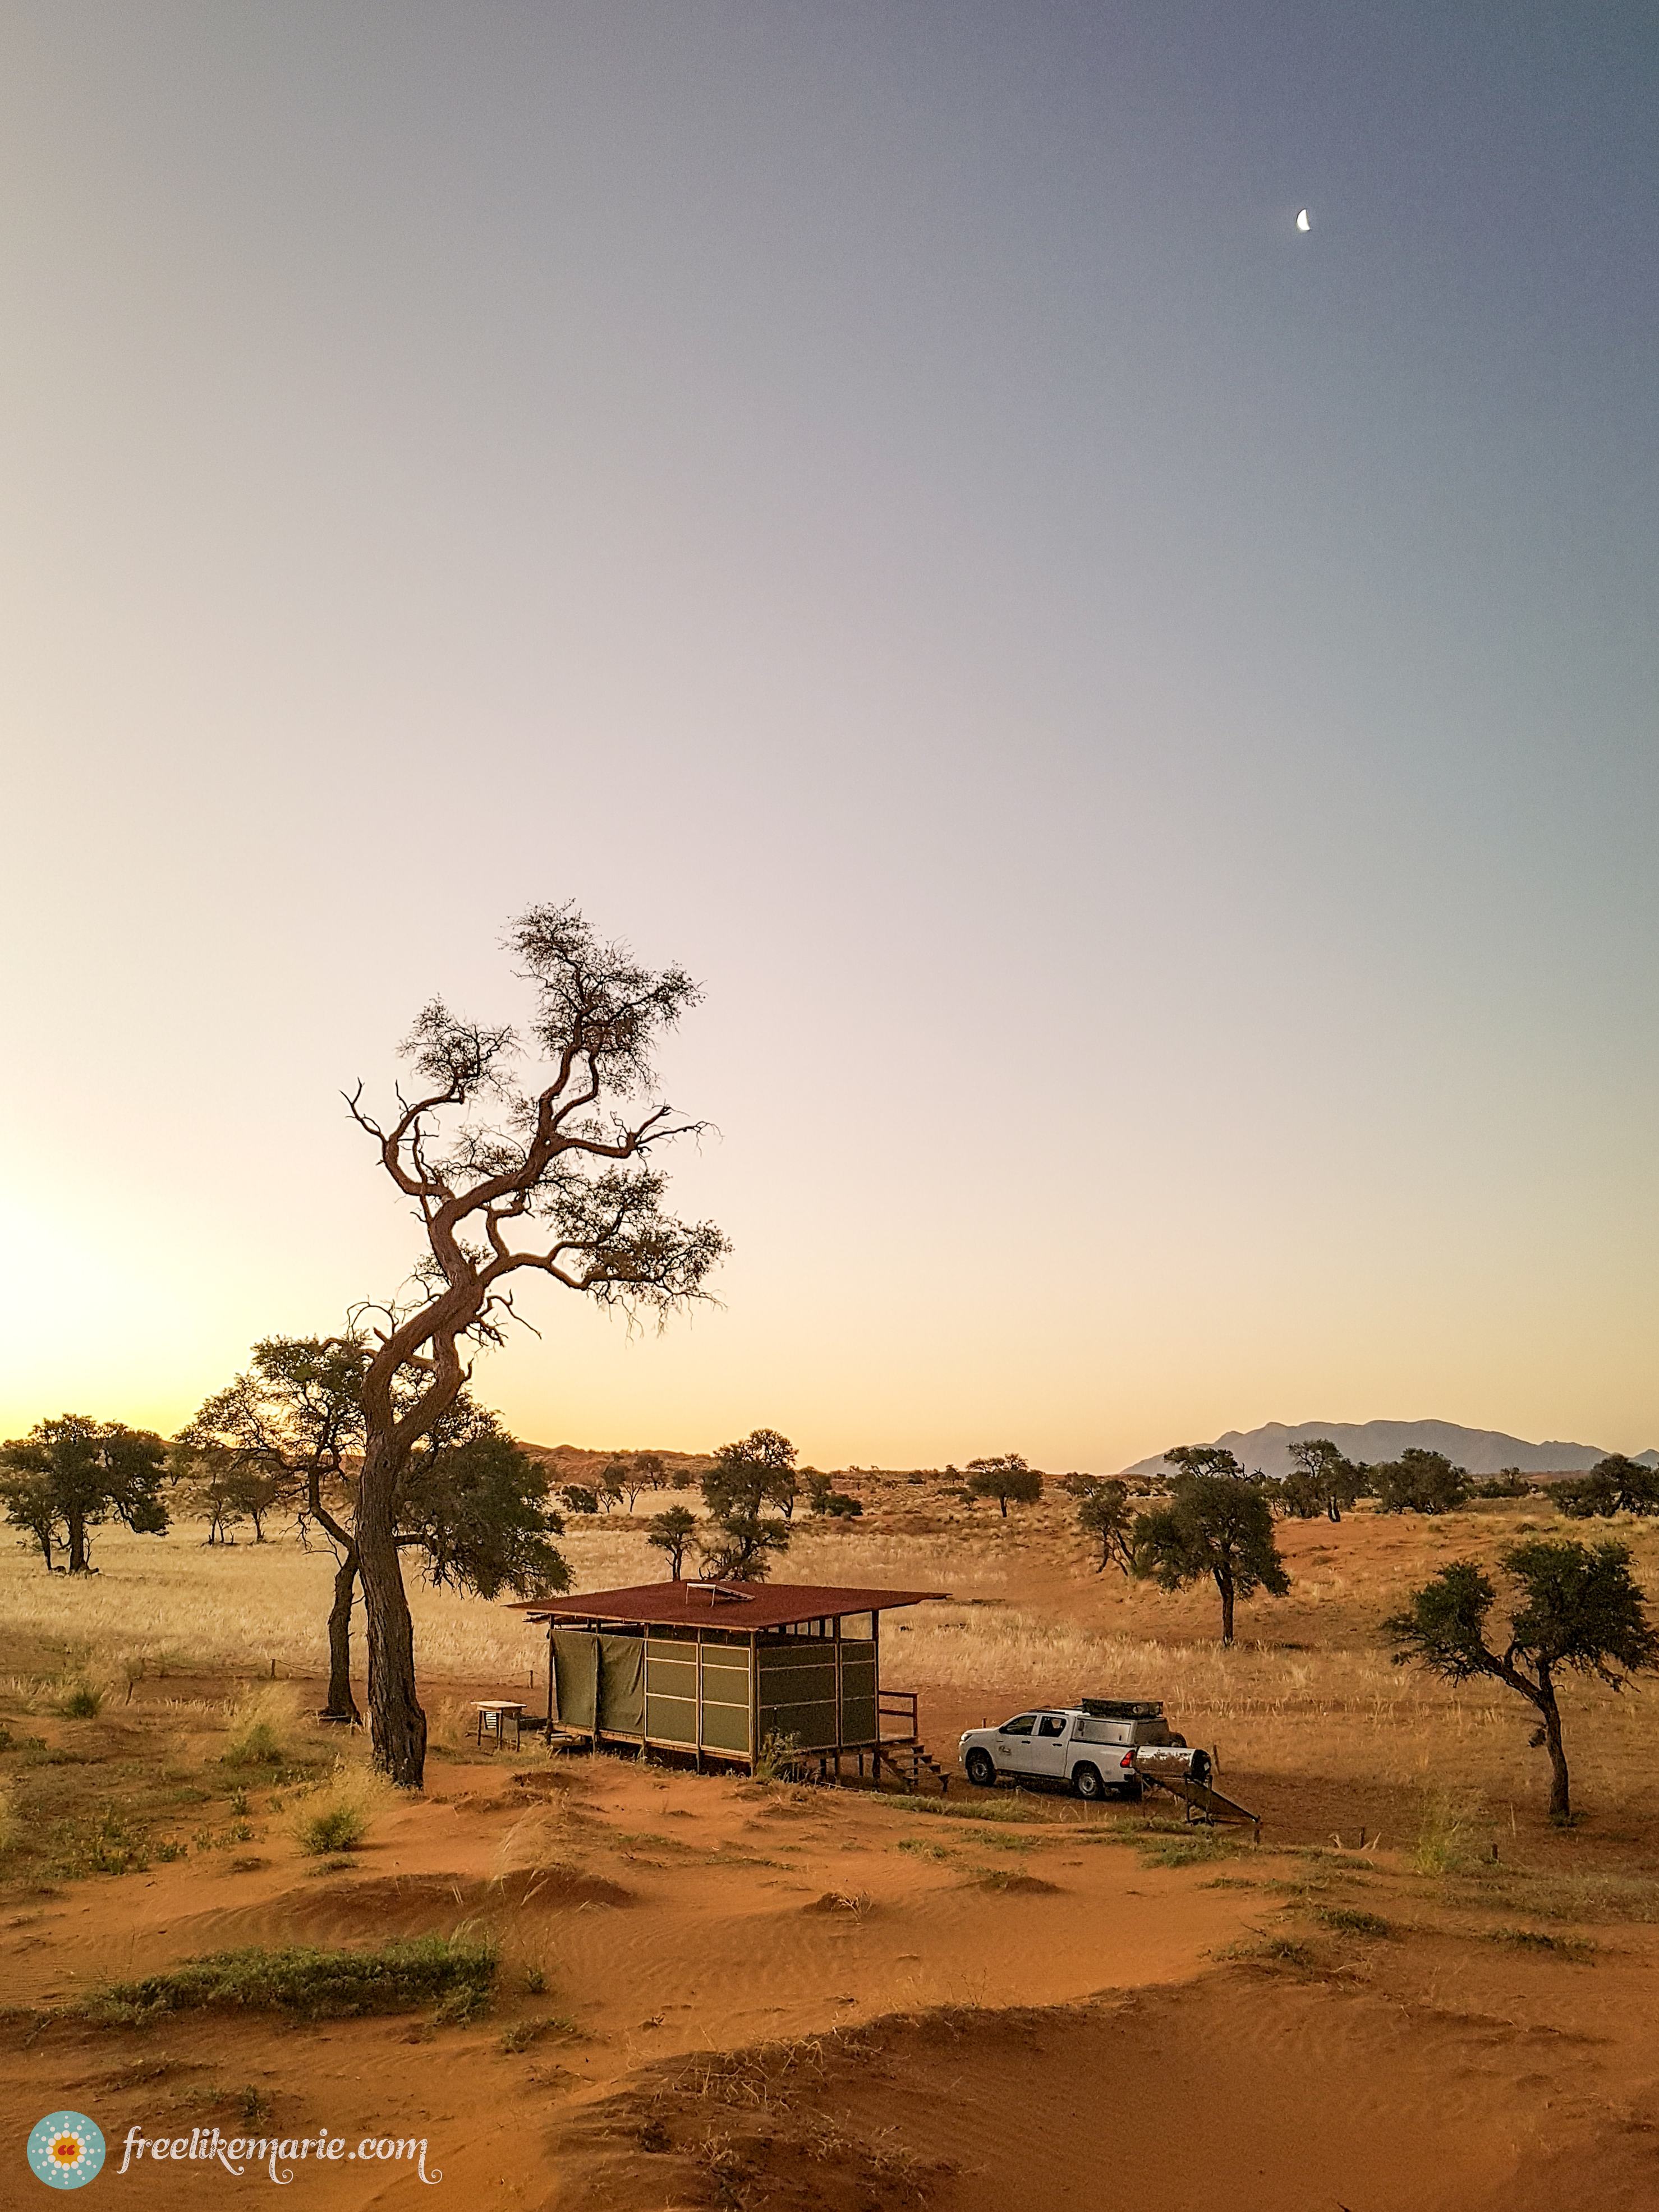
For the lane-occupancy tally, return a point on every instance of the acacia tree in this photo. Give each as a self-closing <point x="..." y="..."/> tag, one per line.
<point x="671" y="1531"/>
<point x="292" y="1419"/>
<point x="555" y="1177"/>
<point x="649" y="1468"/>
<point x="1005" y="1477"/>
<point x="473" y="1502"/>
<point x="1420" y="1481"/>
<point x="758" y="1471"/>
<point x="1105" y="1516"/>
<point x="76" y="1472"/>
<point x="1218" y="1525"/>
<point x="1579" y="1607"/>
<point x="1614" y="1485"/>
<point x="1322" y="1479"/>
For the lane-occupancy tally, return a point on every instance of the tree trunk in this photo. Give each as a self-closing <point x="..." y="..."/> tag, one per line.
<point x="1224" y="1582"/>
<point x="44" y="1535"/>
<point x="397" y="1724"/>
<point x="78" y="1543"/>
<point x="1560" y="1799"/>
<point x="342" y="1705"/>
<point x="1003" y="1502"/>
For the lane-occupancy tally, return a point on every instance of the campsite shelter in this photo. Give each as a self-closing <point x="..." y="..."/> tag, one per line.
<point x="714" y="1668"/>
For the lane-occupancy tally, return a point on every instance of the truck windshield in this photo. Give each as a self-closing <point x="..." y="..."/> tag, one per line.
<point x="1023" y="1726"/>
<point x="1051" y="1725"/>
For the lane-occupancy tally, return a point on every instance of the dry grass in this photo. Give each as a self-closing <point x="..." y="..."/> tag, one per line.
<point x="338" y="1815"/>
<point x="1309" y="1687"/>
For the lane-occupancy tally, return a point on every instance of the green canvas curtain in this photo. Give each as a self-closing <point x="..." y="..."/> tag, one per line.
<point x="615" y="1665"/>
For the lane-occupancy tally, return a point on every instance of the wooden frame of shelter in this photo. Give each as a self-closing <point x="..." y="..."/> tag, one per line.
<point x="714" y="1668"/>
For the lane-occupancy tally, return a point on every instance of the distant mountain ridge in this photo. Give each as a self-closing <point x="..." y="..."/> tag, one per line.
<point x="1482" y="1451"/>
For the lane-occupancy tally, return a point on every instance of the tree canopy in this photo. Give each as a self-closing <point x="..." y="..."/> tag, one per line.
<point x="1106" y="1517"/>
<point x="1576" y="1606"/>
<point x="1614" y="1485"/>
<point x="1006" y="1478"/>
<point x="76" y="1472"/>
<point x="746" y="1478"/>
<point x="1420" y="1482"/>
<point x="473" y="1503"/>
<point x="1322" y="1479"/>
<point x="1214" y="1525"/>
<point x="669" y="1532"/>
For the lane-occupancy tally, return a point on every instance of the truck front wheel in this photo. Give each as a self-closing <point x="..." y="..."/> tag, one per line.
<point x="981" y="1772"/>
<point x="1086" y="1780"/>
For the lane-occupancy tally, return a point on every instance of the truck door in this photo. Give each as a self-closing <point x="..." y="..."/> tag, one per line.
<point x="1047" y="1752"/>
<point x="1012" y="1744"/>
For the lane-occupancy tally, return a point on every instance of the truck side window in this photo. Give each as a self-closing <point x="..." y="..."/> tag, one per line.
<point x="1023" y="1726"/>
<point x="1051" y="1725"/>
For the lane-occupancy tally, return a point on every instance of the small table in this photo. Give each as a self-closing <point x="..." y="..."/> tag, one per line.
<point x="494" y="1714"/>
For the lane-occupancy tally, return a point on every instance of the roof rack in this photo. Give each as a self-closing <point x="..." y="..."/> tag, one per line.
<point x="1123" y="1709"/>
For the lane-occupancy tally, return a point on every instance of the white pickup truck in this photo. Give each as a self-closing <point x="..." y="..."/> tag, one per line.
<point x="1101" y="1748"/>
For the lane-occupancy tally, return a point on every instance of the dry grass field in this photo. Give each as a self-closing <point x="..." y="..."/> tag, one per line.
<point x="705" y="1991"/>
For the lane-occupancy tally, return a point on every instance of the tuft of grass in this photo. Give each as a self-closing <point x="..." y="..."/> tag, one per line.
<point x="8" y="1821"/>
<point x="311" y="1984"/>
<point x="1350" y="1920"/>
<point x="337" y="1817"/>
<point x="1578" y="1948"/>
<point x="84" y="1702"/>
<point x="923" y="1847"/>
<point x="1011" y="1882"/>
<point x="1276" y="1950"/>
<point x="1442" y="1833"/>
<point x="779" y="1759"/>
<point x="260" y="1725"/>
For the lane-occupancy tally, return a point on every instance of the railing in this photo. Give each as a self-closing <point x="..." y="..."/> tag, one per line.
<point x="900" y="1707"/>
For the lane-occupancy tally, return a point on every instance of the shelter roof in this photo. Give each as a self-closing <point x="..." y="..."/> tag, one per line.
<point x="742" y="1605"/>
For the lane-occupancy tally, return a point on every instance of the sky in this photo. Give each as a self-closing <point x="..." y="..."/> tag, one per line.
<point x="1142" y="721"/>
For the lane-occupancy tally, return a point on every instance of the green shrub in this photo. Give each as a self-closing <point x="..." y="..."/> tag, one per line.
<point x="83" y="1703"/>
<point x="339" y="1828"/>
<point x="312" y="1985"/>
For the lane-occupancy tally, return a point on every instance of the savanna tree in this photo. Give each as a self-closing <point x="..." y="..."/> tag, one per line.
<point x="294" y="1421"/>
<point x="1420" y="1481"/>
<point x="669" y="1532"/>
<point x="74" y="1472"/>
<point x="1216" y="1525"/>
<point x="746" y="1477"/>
<point x="1614" y="1485"/>
<point x="1210" y="1460"/>
<point x="554" y="1176"/>
<point x="1322" y="1479"/>
<point x="1006" y="1478"/>
<point x="1106" y="1518"/>
<point x="472" y="1505"/>
<point x="1577" y="1607"/>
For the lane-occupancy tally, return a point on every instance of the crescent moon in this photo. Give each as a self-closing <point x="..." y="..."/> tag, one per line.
<point x="1304" y="220"/>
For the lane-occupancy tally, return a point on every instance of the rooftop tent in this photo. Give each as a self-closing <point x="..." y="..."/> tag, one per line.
<point x="714" y="1668"/>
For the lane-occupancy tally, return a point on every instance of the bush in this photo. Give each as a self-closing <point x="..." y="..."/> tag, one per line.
<point x="575" y="1497"/>
<point x="1511" y="1483"/>
<point x="339" y="1816"/>
<point x="1614" y="1485"/>
<point x="1420" y="1482"/>
<point x="83" y="1703"/>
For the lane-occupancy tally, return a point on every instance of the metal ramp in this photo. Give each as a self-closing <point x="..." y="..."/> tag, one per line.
<point x="1204" y="1803"/>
